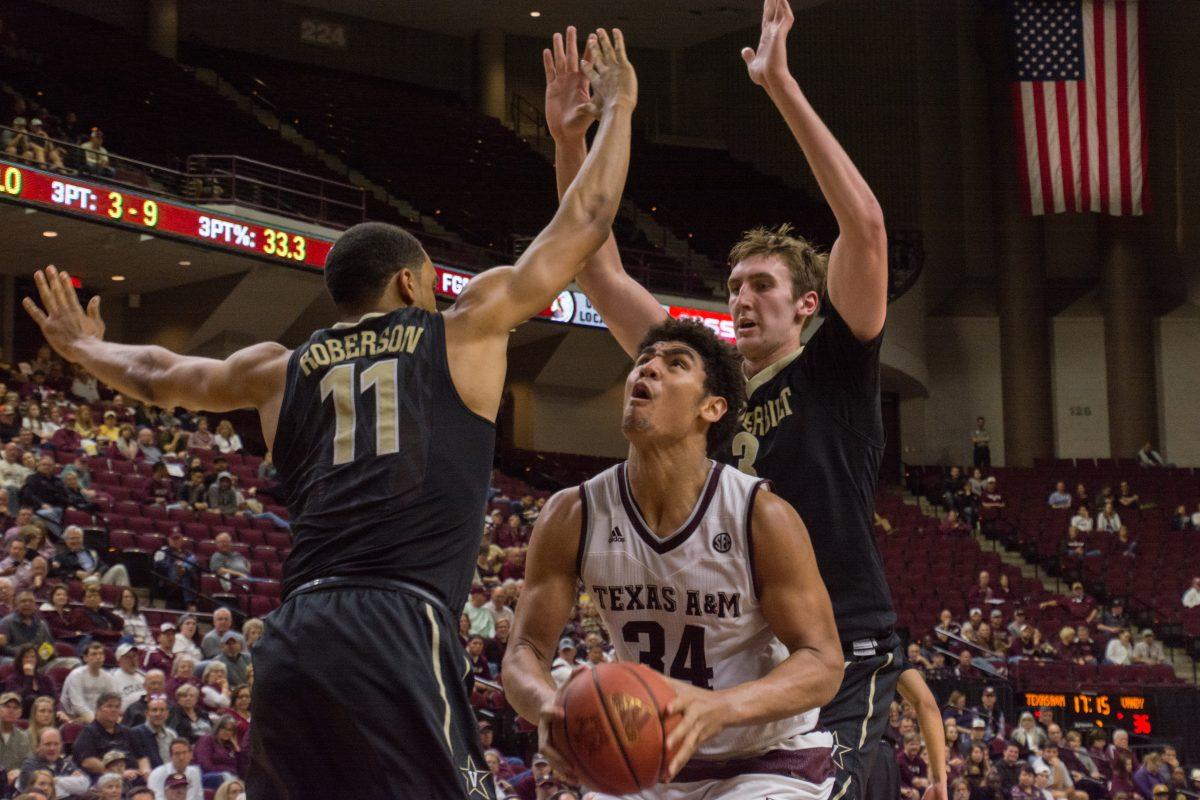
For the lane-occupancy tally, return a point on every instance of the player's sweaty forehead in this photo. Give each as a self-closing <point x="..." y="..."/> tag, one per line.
<point x="666" y="350"/>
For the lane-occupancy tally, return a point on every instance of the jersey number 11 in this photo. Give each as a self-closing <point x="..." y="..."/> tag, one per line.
<point x="339" y="382"/>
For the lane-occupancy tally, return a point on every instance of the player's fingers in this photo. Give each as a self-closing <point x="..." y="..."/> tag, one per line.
<point x="45" y="286"/>
<point x="70" y="296"/>
<point x="606" y="45"/>
<point x="747" y="54"/>
<point x="767" y="11"/>
<point x="560" y="56"/>
<point x="572" y="58"/>
<point x="619" y="44"/>
<point x="594" y="55"/>
<point x="32" y="309"/>
<point x="548" y="64"/>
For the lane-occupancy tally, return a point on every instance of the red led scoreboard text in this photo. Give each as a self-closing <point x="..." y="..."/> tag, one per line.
<point x="158" y="215"/>
<point x="161" y="216"/>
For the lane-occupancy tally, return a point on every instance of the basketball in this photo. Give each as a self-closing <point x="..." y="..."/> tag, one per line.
<point x="614" y="730"/>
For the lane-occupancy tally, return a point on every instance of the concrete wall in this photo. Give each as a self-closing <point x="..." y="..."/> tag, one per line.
<point x="1080" y="383"/>
<point x="1177" y="347"/>
<point x="964" y="383"/>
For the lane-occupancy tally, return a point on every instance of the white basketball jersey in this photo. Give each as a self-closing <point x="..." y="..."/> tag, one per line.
<point x="686" y="605"/>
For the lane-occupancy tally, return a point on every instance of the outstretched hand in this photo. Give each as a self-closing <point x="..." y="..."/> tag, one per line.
<point x="568" y="93"/>
<point x="611" y="76"/>
<point x="768" y="64"/>
<point x="63" y="321"/>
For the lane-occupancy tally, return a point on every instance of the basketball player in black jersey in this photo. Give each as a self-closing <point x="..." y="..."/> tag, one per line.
<point x="812" y="423"/>
<point x="383" y="434"/>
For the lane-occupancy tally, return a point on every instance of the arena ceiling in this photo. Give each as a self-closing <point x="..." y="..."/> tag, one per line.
<point x="660" y="24"/>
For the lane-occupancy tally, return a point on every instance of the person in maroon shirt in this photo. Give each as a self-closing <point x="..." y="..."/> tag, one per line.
<point x="161" y="490"/>
<point x="914" y="772"/>
<point x="64" y="621"/>
<point x="952" y="525"/>
<point x="514" y="567"/>
<point x="981" y="592"/>
<point x="163" y="657"/>
<point x="99" y="623"/>
<point x="1025" y="790"/>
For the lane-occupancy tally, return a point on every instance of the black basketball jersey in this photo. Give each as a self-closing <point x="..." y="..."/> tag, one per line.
<point x="813" y="425"/>
<point x="385" y="469"/>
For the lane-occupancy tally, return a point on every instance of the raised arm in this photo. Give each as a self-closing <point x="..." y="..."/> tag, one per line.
<point x="628" y="309"/>
<point x="545" y="606"/>
<point x="857" y="281"/>
<point x="502" y="298"/>
<point x="796" y="606"/>
<point x="250" y="378"/>
<point x="912" y="687"/>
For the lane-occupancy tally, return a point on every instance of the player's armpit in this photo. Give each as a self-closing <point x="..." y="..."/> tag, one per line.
<point x="796" y="605"/>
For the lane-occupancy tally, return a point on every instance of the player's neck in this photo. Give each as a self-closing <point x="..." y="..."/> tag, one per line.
<point x="753" y="366"/>
<point x="666" y="482"/>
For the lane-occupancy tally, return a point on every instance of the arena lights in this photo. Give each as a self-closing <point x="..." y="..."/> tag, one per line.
<point x="185" y="263"/>
<point x="118" y="278"/>
<point x="49" y="234"/>
<point x="535" y="14"/>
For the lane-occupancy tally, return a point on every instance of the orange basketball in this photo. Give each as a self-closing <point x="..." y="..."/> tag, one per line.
<point x="614" y="727"/>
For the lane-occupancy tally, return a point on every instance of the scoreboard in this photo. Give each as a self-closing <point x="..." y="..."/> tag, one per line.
<point x="1133" y="712"/>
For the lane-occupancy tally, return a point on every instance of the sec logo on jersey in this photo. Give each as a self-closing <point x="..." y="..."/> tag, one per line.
<point x="722" y="542"/>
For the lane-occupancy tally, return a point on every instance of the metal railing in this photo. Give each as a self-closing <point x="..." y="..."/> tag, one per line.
<point x="207" y="179"/>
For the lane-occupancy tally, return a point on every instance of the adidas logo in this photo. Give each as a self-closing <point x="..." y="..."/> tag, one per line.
<point x="616" y="536"/>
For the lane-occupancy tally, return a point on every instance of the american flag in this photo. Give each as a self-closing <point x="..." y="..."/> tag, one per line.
<point x="1079" y="104"/>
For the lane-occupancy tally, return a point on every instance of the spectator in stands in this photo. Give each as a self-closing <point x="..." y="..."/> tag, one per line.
<point x="476" y="658"/>
<point x="186" y="717"/>
<point x="81" y="563"/>
<point x="914" y="771"/>
<point x="110" y="429"/>
<point x="1152" y="773"/>
<point x="148" y="449"/>
<point x="24" y="626"/>
<point x="177" y="571"/>
<point x="17" y="142"/>
<point x="226" y="439"/>
<point x="84" y="386"/>
<point x="1149" y="458"/>
<point x="129" y="681"/>
<point x="1009" y="767"/>
<point x="103" y="734"/>
<point x="1083" y="651"/>
<point x="98" y="622"/>
<point x="133" y="621"/>
<point x="1082" y="521"/>
<point x="1119" y="650"/>
<point x="1098" y="752"/>
<point x="78" y="497"/>
<point x="14" y="742"/>
<point x="218" y="755"/>
<point x="126" y="444"/>
<point x="16" y="567"/>
<point x="214" y="640"/>
<point x="1120" y="748"/>
<point x="201" y="438"/>
<point x="1191" y="598"/>
<point x="223" y="497"/>
<point x="1149" y="650"/>
<point x="64" y="620"/>
<point x="194" y="495"/>
<point x="978" y="484"/>
<point x="953" y="525"/>
<point x="252" y="631"/>
<point x="47" y="755"/>
<point x="990" y="713"/>
<point x="52" y="154"/>
<point x="179" y="763"/>
<point x="966" y="669"/>
<point x="1181" y="521"/>
<point x="227" y="562"/>
<point x="239" y="708"/>
<point x="183" y="671"/>
<point x="1079" y="606"/>
<point x="153" y="685"/>
<point x="41" y="428"/>
<point x="1114" y="620"/>
<point x="981" y="442"/>
<point x="96" y="155"/>
<point x="44" y="492"/>
<point x="482" y="621"/>
<point x="163" y="656"/>
<point x="13" y="473"/>
<point x="85" y="685"/>
<point x="235" y="661"/>
<point x="991" y="498"/>
<point x="187" y="639"/>
<point x="1028" y="735"/>
<point x="1195" y="518"/>
<point x="27" y="683"/>
<point x="215" y="695"/>
<point x="1127" y="497"/>
<point x="952" y="487"/>
<point x="562" y="666"/>
<point x="1109" y="521"/>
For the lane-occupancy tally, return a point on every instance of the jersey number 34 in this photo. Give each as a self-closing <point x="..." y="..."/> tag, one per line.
<point x="689" y="664"/>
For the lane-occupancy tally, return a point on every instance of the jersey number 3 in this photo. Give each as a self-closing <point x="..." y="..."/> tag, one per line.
<point x="339" y="382"/>
<point x="689" y="665"/>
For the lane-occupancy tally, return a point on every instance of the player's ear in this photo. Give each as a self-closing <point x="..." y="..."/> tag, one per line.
<point x="712" y="408"/>
<point x="806" y="305"/>
<point x="407" y="285"/>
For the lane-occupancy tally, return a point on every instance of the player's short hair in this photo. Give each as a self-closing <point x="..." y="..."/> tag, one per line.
<point x="806" y="264"/>
<point x="723" y="376"/>
<point x="364" y="258"/>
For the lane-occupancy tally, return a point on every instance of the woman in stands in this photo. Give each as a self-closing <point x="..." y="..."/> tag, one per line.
<point x="183" y="673"/>
<point x="975" y="771"/>
<point x="36" y="543"/>
<point x="215" y="696"/>
<point x="239" y="709"/>
<point x="226" y="439"/>
<point x="252" y="630"/>
<point x="126" y="445"/>
<point x="1029" y="736"/>
<point x="128" y="611"/>
<point x="26" y="681"/>
<point x="230" y="790"/>
<point x="218" y="755"/>
<point x="78" y="498"/>
<point x="186" y="639"/>
<point x="65" y="621"/>
<point x="186" y="718"/>
<point x="202" y="438"/>
<point x="110" y="429"/>
<point x="33" y="420"/>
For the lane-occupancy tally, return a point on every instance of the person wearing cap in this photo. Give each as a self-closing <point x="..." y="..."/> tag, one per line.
<point x="130" y="681"/>
<point x="80" y="563"/>
<point x="1149" y="650"/>
<point x="162" y="657"/>
<point x="85" y="685"/>
<point x="539" y="769"/>
<point x="96" y="155"/>
<point x="223" y="497"/>
<point x="102" y="736"/>
<point x="110" y="428"/>
<point x="152" y="738"/>
<point x="233" y="657"/>
<point x="482" y="622"/>
<point x="565" y="663"/>
<point x="47" y="755"/>
<point x="213" y="642"/>
<point x="486" y="734"/>
<point x="17" y="142"/>
<point x="990" y="714"/>
<point x="177" y="572"/>
<point x="179" y="772"/>
<point x="14" y="742"/>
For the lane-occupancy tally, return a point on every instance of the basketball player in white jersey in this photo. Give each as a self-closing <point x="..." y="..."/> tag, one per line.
<point x="699" y="572"/>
